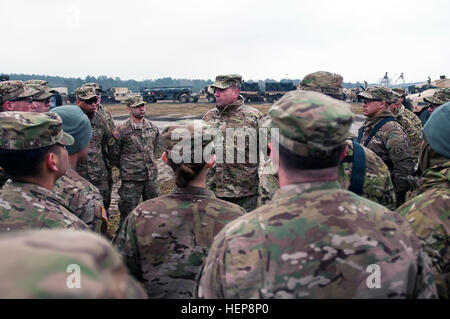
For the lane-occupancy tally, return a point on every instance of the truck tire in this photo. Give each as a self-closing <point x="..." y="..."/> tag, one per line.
<point x="191" y="99"/>
<point x="183" y="99"/>
<point x="150" y="100"/>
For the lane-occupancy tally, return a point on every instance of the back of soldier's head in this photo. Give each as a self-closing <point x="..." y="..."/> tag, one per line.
<point x="25" y="140"/>
<point x="437" y="130"/>
<point x="323" y="82"/>
<point x="313" y="129"/>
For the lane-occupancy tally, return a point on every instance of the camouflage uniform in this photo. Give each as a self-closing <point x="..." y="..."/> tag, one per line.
<point x="234" y="182"/>
<point x="3" y="177"/>
<point x="315" y="240"/>
<point x="95" y="169"/>
<point x="101" y="109"/>
<point x="26" y="205"/>
<point x="83" y="199"/>
<point x="134" y="153"/>
<point x="41" y="264"/>
<point x="165" y="240"/>
<point x="429" y="212"/>
<point x="377" y="185"/>
<point x="391" y="143"/>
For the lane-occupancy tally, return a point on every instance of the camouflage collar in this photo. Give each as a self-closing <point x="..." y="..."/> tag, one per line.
<point x="193" y="191"/>
<point x="139" y="126"/>
<point x="230" y="108"/>
<point x="385" y="113"/>
<point x="302" y="188"/>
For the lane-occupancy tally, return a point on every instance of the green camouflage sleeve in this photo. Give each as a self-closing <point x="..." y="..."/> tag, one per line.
<point x="115" y="147"/>
<point x="127" y="245"/>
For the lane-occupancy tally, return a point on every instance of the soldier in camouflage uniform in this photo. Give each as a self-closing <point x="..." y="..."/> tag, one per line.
<point x="408" y="120"/>
<point x="164" y="241"/>
<point x="83" y="198"/>
<point x="228" y="179"/>
<point x="95" y="168"/>
<point x="386" y="137"/>
<point x="315" y="240"/>
<point x="134" y="153"/>
<point x="32" y="152"/>
<point x="41" y="100"/>
<point x="429" y="212"/>
<point x="15" y="96"/>
<point x="110" y="127"/>
<point x="439" y="97"/>
<point x="42" y="264"/>
<point x="376" y="183"/>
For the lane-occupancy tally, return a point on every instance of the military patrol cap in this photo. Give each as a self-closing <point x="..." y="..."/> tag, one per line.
<point x="323" y="82"/>
<point x="400" y="91"/>
<point x="27" y="130"/>
<point x="93" y="85"/>
<point x="225" y="81"/>
<point x="439" y="97"/>
<point x="378" y="93"/>
<point x="134" y="101"/>
<point x="311" y="124"/>
<point x="41" y="86"/>
<point x="11" y="90"/>
<point x="85" y="93"/>
<point x="198" y="130"/>
<point x="437" y="130"/>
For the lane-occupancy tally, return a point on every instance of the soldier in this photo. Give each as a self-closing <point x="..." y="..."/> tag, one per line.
<point x="428" y="213"/>
<point x="83" y="198"/>
<point x="315" y="240"/>
<point x="110" y="128"/>
<point x="33" y="154"/>
<point x="164" y="241"/>
<point x="228" y="179"/>
<point x="408" y="120"/>
<point x="95" y="169"/>
<point x="385" y="136"/>
<point x="439" y="97"/>
<point x="44" y="263"/>
<point x="14" y="96"/>
<point x="134" y="153"/>
<point x="361" y="170"/>
<point x="41" y="100"/>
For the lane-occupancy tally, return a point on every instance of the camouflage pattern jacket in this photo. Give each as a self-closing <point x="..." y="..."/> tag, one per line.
<point x="3" y="177"/>
<point x="165" y="240"/>
<point x="234" y="179"/>
<point x="30" y="206"/>
<point x="95" y="168"/>
<point x="377" y="185"/>
<point x="110" y="128"/>
<point x="83" y="199"/>
<point x="41" y="264"/>
<point x="413" y="128"/>
<point x="134" y="150"/>
<point x="391" y="143"/>
<point x="429" y="216"/>
<point x="315" y="240"/>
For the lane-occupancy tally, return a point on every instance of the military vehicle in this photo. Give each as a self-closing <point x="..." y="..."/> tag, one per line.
<point x="251" y="92"/>
<point x="275" y="90"/>
<point x="4" y="77"/>
<point x="122" y="94"/>
<point x="182" y="94"/>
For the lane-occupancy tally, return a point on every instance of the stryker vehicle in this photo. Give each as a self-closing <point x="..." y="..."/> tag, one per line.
<point x="182" y="94"/>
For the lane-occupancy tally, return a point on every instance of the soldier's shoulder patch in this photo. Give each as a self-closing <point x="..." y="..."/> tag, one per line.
<point x="116" y="134"/>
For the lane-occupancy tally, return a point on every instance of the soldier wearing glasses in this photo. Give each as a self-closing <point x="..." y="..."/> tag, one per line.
<point x="42" y="99"/>
<point x="94" y="169"/>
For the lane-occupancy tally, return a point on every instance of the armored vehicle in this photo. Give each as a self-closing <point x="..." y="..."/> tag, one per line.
<point x="251" y="92"/>
<point x="182" y="94"/>
<point x="275" y="90"/>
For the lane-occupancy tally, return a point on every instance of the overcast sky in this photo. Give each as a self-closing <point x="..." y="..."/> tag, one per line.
<point x="198" y="39"/>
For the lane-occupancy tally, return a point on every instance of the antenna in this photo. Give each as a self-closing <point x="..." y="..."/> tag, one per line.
<point x="400" y="78"/>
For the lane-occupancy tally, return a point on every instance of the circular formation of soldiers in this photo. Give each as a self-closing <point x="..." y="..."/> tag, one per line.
<point x="310" y="219"/>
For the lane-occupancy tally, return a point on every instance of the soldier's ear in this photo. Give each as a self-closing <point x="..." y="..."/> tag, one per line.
<point x="8" y="106"/>
<point x="212" y="161"/>
<point x="164" y="158"/>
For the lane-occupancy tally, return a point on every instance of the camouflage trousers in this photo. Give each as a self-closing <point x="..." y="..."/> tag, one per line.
<point x="130" y="193"/>
<point x="104" y="189"/>
<point x="249" y="203"/>
<point x="110" y="187"/>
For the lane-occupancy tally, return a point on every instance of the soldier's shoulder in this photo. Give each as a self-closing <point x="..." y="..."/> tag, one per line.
<point x="217" y="207"/>
<point x="211" y="113"/>
<point x="250" y="111"/>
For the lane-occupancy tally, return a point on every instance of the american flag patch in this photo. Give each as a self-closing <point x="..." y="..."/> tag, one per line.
<point x="116" y="134"/>
<point x="104" y="216"/>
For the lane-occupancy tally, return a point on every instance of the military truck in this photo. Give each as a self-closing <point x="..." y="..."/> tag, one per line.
<point x="4" y="77"/>
<point x="275" y="90"/>
<point x="182" y="94"/>
<point x="251" y="92"/>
